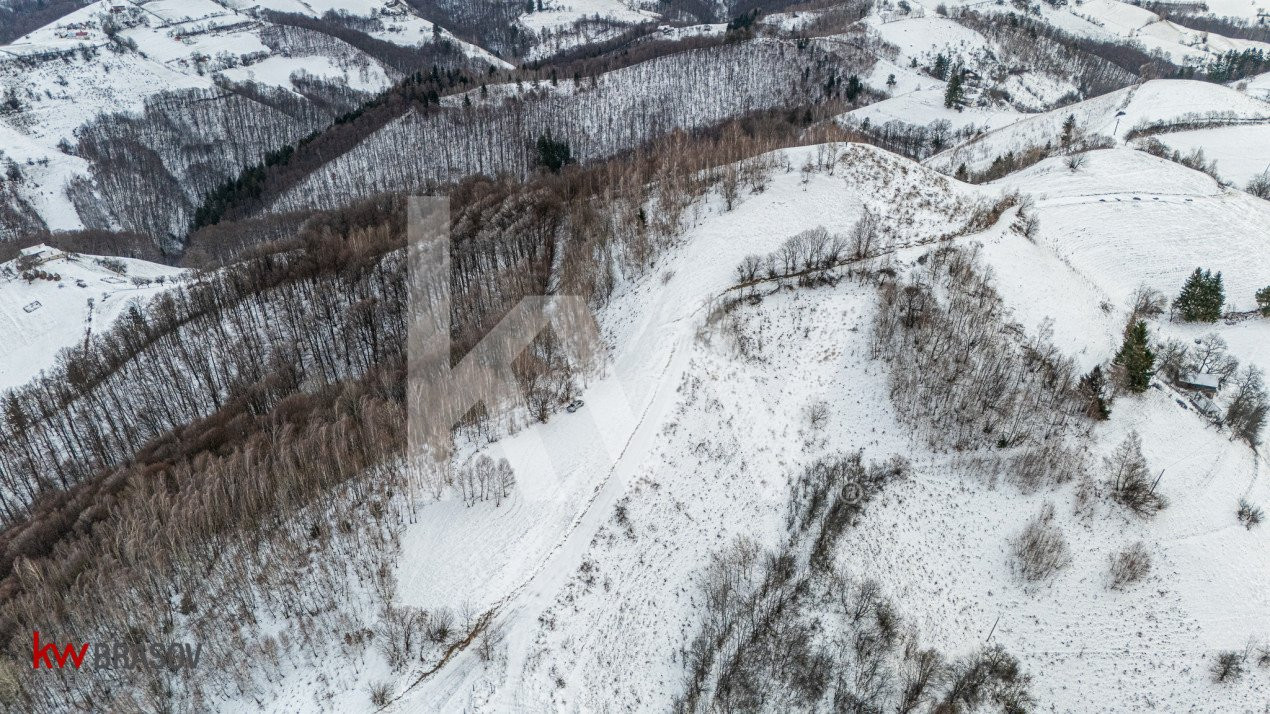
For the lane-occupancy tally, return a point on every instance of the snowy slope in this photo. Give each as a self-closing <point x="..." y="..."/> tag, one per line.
<point x="1112" y="116"/>
<point x="1182" y="45"/>
<point x="1124" y="219"/>
<point x="1258" y="86"/>
<point x="88" y="297"/>
<point x="939" y="541"/>
<point x="658" y="358"/>
<point x="597" y="605"/>
<point x="923" y="104"/>
<point x="1247" y="10"/>
<point x="922" y="39"/>
<point x="1241" y="152"/>
<point x="562" y="24"/>
<point x="520" y="558"/>
<point x="1128" y="218"/>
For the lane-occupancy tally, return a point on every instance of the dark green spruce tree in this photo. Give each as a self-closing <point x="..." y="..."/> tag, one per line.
<point x="1201" y="298"/>
<point x="552" y="154"/>
<point x="1137" y="359"/>
<point x="955" y="95"/>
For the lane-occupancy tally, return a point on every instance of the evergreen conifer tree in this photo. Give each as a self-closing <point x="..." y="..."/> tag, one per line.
<point x="941" y="67"/>
<point x="1201" y="298"/>
<point x="954" y="96"/>
<point x="1137" y="359"/>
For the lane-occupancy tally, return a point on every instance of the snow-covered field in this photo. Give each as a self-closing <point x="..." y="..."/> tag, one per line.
<point x="1127" y="219"/>
<point x="40" y="318"/>
<point x="1241" y="152"/>
<point x="563" y="24"/>
<point x="1258" y="86"/>
<point x="1181" y="44"/>
<point x="1112" y="116"/>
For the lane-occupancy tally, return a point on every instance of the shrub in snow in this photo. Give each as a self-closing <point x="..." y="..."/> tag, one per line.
<point x="1210" y="357"/>
<point x="1248" y="514"/>
<point x="1263" y="297"/>
<point x="114" y="265"/>
<point x="749" y="268"/>
<point x="1173" y="359"/>
<point x="1130" y="480"/>
<point x="404" y="635"/>
<point x="487" y="643"/>
<point x="991" y="676"/>
<point x="817" y="414"/>
<point x="1146" y="304"/>
<point x="440" y="625"/>
<point x="1229" y="667"/>
<point x="1040" y="551"/>
<point x="1129" y="566"/>
<point x="380" y="693"/>
<point x="1248" y="408"/>
<point x="864" y="235"/>
<point x="1259" y="186"/>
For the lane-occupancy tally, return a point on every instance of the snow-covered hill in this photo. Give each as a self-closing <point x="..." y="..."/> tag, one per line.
<point x="589" y="576"/>
<point x="114" y="56"/>
<point x="80" y="295"/>
<point x="595" y="619"/>
<point x="759" y="319"/>
<point x="1241" y="151"/>
<point x="1166" y="103"/>
<point x="1181" y="44"/>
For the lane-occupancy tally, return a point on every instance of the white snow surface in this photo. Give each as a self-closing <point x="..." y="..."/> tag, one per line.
<point x="1127" y="219"/>
<point x="1112" y="116"/>
<point x="64" y="316"/>
<point x="1241" y="151"/>
<point x="1183" y="45"/>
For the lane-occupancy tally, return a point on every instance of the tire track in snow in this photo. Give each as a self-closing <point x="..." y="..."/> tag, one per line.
<point x="588" y="511"/>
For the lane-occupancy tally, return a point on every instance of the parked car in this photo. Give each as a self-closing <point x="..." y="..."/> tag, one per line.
<point x="574" y="405"/>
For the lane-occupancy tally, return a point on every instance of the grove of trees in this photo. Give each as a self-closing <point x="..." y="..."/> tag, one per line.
<point x="1201" y="298"/>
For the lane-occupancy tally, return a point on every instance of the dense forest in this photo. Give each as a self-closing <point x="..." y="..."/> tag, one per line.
<point x="673" y="92"/>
